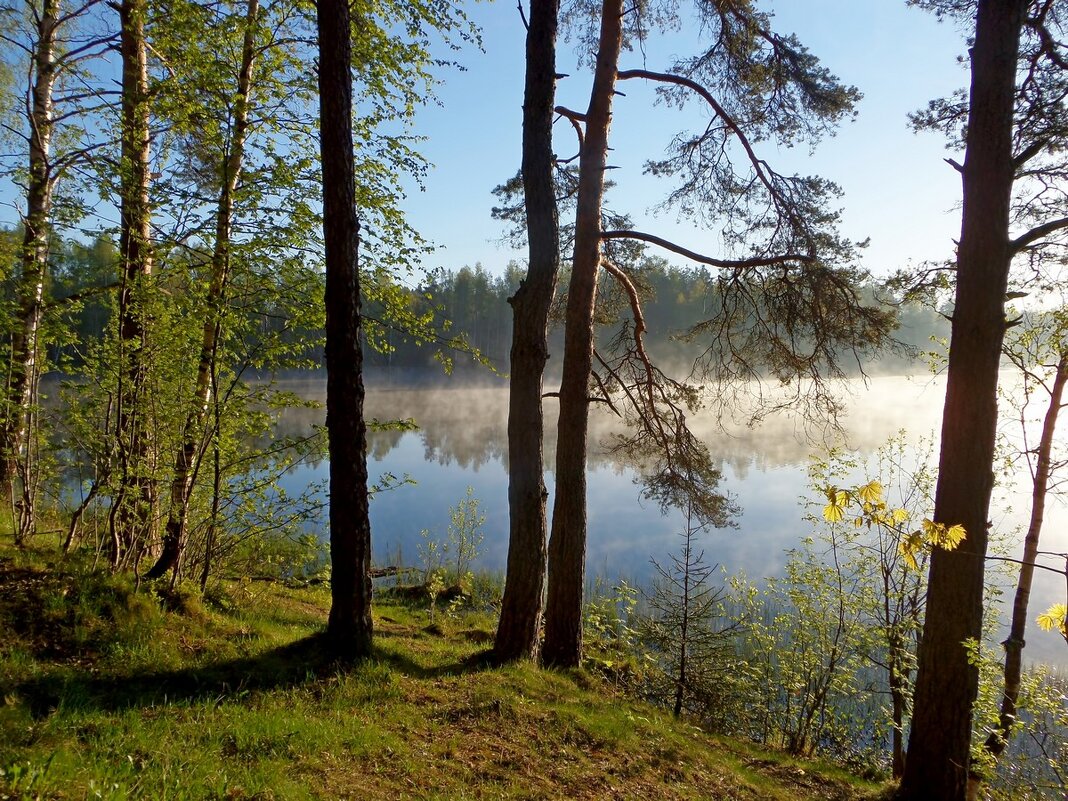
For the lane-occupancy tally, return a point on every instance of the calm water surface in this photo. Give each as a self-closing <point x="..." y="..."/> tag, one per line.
<point x="461" y="442"/>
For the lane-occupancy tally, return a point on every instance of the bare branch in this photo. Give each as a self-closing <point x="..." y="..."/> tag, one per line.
<point x="728" y="264"/>
<point x="1029" y="152"/>
<point x="589" y="399"/>
<point x="1037" y="233"/>
<point x="16" y="43"/>
<point x="623" y="386"/>
<point x="76" y="12"/>
<point x="635" y="309"/>
<point x="75" y="53"/>
<point x="74" y="157"/>
<point x="574" y="117"/>
<point x="603" y="388"/>
<point x="1039" y="565"/>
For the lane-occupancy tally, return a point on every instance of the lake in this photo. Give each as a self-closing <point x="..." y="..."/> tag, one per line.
<point x="461" y="442"/>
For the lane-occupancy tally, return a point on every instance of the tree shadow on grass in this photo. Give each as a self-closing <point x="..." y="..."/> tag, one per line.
<point x="403" y="663"/>
<point x="304" y="662"/>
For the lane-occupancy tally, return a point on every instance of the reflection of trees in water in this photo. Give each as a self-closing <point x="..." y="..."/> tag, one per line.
<point x="468" y="426"/>
<point x="470" y="450"/>
<point x="462" y="426"/>
<point x="380" y="443"/>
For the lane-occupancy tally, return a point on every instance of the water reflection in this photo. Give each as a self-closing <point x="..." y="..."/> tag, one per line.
<point x="461" y="442"/>
<point x="468" y="426"/>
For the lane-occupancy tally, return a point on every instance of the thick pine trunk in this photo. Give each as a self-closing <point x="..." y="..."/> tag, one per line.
<point x="188" y="457"/>
<point x="946" y="684"/>
<point x="1014" y="645"/>
<point x="25" y="366"/>
<point x="521" y="606"/>
<point x="349" y="629"/>
<point x="131" y="518"/>
<point x="567" y="546"/>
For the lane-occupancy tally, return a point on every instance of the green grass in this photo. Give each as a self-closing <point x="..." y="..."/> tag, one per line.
<point x="105" y="694"/>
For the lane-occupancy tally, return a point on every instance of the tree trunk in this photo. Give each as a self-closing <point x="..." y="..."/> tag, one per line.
<point x="946" y="684"/>
<point x="899" y="704"/>
<point x="25" y="366"/>
<point x="187" y="461"/>
<point x="521" y="606"/>
<point x="567" y="546"/>
<point x="1014" y="645"/>
<point x="216" y="491"/>
<point x="134" y="501"/>
<point x="349" y="629"/>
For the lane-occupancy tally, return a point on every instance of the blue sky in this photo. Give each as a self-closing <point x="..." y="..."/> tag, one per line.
<point x="898" y="190"/>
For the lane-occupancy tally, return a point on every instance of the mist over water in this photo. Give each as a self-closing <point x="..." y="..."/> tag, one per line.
<point x="461" y="442"/>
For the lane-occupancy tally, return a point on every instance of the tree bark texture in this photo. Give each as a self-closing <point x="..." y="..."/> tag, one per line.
<point x="131" y="520"/>
<point x="937" y="762"/>
<point x="521" y="606"/>
<point x="188" y="457"/>
<point x="349" y="629"/>
<point x="25" y="367"/>
<point x="1014" y="644"/>
<point x="567" y="545"/>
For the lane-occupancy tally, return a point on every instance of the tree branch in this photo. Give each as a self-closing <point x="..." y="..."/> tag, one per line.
<point x="728" y="264"/>
<point x="639" y="329"/>
<point x="81" y="295"/>
<point x="613" y="373"/>
<point x="1039" y="565"/>
<point x="77" y="12"/>
<point x="589" y="399"/>
<point x="635" y="309"/>
<point x="759" y="166"/>
<point x="1049" y="44"/>
<point x="1037" y="233"/>
<point x="1029" y="152"/>
<point x="603" y="388"/>
<point x="574" y="116"/>
<point x="74" y="54"/>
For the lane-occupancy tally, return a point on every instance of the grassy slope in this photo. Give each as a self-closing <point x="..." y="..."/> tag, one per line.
<point x="106" y="696"/>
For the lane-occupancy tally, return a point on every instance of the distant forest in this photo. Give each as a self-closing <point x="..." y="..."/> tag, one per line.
<point x="472" y="304"/>
<point x="468" y="318"/>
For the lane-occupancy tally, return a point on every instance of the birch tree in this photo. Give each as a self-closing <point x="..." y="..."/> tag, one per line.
<point x="52" y="44"/>
<point x="231" y="161"/>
